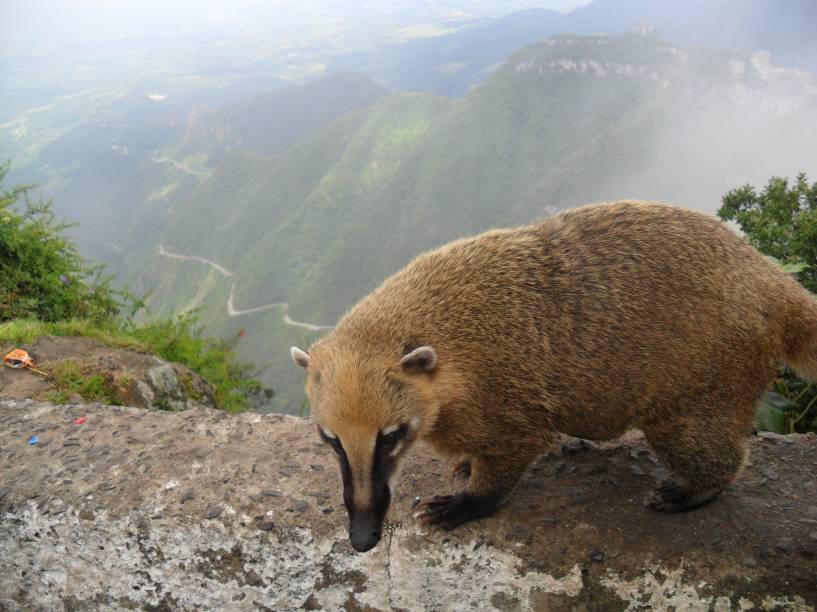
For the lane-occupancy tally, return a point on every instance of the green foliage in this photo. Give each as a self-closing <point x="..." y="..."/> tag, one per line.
<point x="781" y="221"/>
<point x="182" y="340"/>
<point x="47" y="288"/>
<point x="41" y="273"/>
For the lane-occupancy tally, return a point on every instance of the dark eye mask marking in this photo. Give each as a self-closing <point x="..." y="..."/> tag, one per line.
<point x="387" y="442"/>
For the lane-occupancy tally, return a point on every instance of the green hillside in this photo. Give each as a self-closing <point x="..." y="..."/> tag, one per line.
<point x="273" y="121"/>
<point x="563" y="122"/>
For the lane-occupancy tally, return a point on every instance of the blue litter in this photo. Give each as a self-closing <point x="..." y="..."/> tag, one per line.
<point x="33" y="440"/>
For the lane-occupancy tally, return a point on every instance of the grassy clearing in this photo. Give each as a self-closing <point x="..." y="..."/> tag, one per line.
<point x="23" y="331"/>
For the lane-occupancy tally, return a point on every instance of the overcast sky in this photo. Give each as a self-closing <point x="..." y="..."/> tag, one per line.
<point x="97" y="21"/>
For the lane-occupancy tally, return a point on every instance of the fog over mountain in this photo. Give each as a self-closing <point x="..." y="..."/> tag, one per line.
<point x="273" y="162"/>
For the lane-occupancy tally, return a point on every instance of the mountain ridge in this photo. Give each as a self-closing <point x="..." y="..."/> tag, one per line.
<point x="567" y="121"/>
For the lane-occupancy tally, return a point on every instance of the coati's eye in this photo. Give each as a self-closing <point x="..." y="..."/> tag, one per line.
<point x="331" y="440"/>
<point x="388" y="439"/>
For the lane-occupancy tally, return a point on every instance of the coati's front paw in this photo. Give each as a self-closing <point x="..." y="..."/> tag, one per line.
<point x="670" y="497"/>
<point x="450" y="511"/>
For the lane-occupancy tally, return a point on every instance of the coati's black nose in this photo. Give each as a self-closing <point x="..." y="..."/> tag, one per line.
<point x="364" y="539"/>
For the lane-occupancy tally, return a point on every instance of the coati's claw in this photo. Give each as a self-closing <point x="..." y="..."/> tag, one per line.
<point x="672" y="497"/>
<point x="450" y="511"/>
<point x="446" y="511"/>
<point x="666" y="497"/>
<point x="463" y="469"/>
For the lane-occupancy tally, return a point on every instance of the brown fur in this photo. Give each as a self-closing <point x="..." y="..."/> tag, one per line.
<point x="598" y="320"/>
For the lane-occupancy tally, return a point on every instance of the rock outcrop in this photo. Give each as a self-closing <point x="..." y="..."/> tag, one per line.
<point x="203" y="510"/>
<point x="129" y="377"/>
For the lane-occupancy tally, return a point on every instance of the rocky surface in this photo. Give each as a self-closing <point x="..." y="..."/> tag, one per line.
<point x="134" y="378"/>
<point x="203" y="510"/>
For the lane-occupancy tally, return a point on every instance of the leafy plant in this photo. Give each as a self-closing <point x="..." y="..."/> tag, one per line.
<point x="41" y="273"/>
<point x="181" y="339"/>
<point x="781" y="221"/>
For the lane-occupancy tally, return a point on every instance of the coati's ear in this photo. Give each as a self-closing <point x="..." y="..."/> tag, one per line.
<point x="299" y="357"/>
<point x="422" y="359"/>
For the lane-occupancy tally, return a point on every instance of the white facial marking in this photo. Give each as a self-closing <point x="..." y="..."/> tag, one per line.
<point x="390" y="429"/>
<point x="397" y="448"/>
<point x="414" y="423"/>
<point x="328" y="432"/>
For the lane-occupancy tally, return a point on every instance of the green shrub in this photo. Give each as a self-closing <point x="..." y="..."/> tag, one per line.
<point x="781" y="221"/>
<point x="41" y="274"/>
<point x="182" y="340"/>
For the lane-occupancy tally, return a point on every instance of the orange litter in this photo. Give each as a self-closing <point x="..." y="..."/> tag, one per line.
<point x="18" y="358"/>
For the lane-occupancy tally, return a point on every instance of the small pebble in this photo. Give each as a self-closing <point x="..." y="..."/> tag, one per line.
<point x="213" y="511"/>
<point x="783" y="545"/>
<point x="264" y="525"/>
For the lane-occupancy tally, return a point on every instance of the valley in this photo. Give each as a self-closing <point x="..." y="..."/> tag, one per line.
<point x="269" y="207"/>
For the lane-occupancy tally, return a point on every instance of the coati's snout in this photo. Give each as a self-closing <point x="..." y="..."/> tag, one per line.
<point x="367" y="483"/>
<point x="369" y="420"/>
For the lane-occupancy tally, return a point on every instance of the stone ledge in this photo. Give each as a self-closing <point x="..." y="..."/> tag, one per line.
<point x="203" y="510"/>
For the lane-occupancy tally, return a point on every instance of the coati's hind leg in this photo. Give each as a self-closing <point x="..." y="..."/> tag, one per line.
<point x="703" y="451"/>
<point x="491" y="479"/>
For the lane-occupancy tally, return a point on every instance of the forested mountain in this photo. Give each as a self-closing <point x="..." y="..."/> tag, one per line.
<point x="271" y="122"/>
<point x="121" y="171"/>
<point x="566" y="121"/>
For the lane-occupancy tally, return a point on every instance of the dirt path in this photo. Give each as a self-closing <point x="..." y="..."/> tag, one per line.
<point x="231" y="309"/>
<point x="198" y="509"/>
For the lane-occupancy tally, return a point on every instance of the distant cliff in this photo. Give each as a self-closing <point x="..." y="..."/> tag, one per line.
<point x="202" y="510"/>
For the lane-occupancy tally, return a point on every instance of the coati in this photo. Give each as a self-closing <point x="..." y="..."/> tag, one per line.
<point x="598" y="320"/>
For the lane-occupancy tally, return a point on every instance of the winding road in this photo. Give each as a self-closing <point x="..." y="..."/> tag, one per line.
<point x="231" y="309"/>
<point x="177" y="165"/>
<point x="212" y="264"/>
